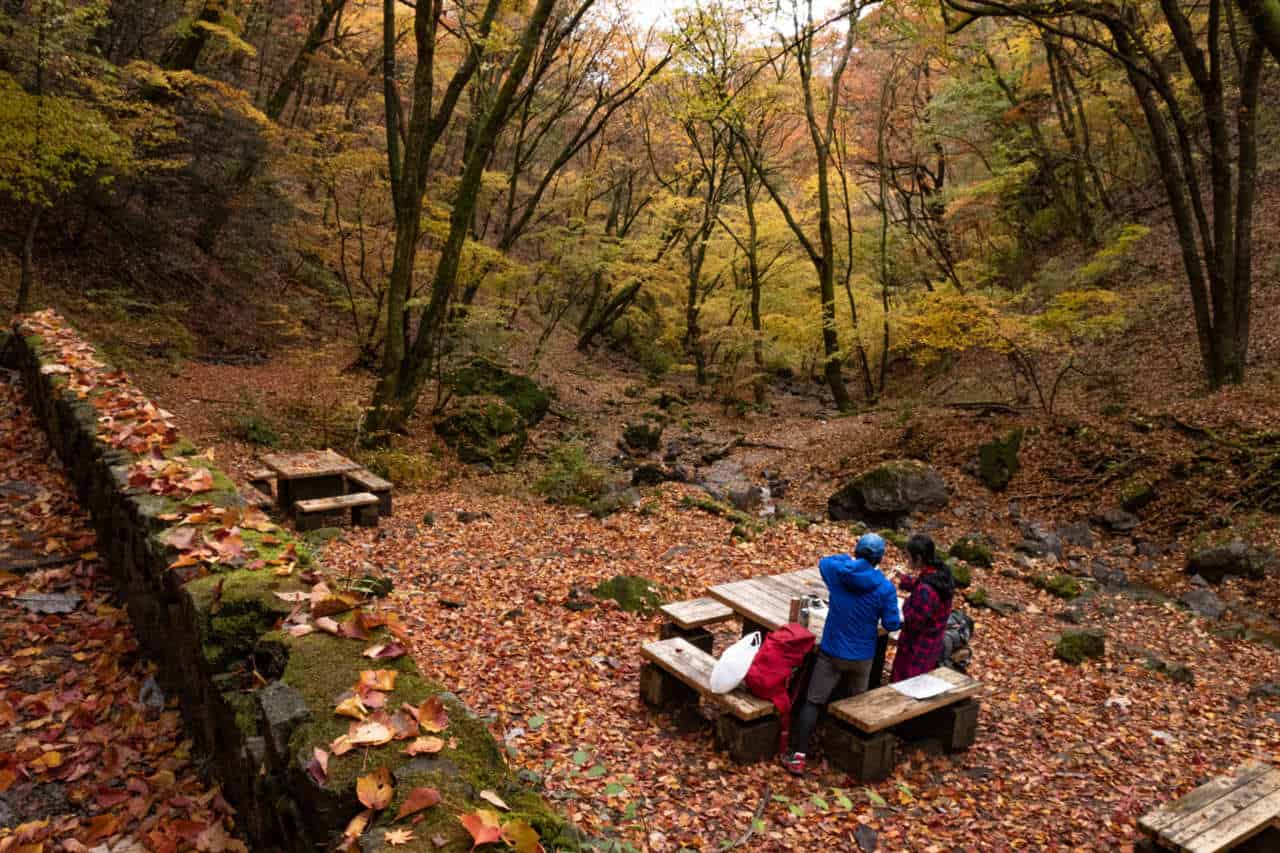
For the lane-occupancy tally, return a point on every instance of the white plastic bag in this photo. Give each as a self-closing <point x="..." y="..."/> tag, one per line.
<point x="732" y="667"/>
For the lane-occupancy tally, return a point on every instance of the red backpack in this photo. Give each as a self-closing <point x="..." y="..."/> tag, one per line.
<point x="769" y="677"/>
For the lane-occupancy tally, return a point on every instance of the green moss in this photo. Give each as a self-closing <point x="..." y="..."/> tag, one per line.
<point x="1136" y="494"/>
<point x="723" y="510"/>
<point x="644" y="437"/>
<point x="233" y="610"/>
<point x="962" y="574"/>
<point x="1077" y="646"/>
<point x="483" y="378"/>
<point x="978" y="597"/>
<point x="1063" y="586"/>
<point x="972" y="551"/>
<point x="484" y="432"/>
<point x="633" y="594"/>
<point x="998" y="460"/>
<point x="894" y="538"/>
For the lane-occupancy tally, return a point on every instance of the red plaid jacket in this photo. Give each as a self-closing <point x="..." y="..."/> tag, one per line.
<point x="924" y="621"/>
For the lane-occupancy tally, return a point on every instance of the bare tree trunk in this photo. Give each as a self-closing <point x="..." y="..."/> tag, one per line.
<point x="28" y="266"/>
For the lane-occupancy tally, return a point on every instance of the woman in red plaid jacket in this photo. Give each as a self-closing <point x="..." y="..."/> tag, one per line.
<point x="924" y="616"/>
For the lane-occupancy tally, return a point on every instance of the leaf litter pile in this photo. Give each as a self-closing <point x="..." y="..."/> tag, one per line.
<point x="495" y="594"/>
<point x="93" y="755"/>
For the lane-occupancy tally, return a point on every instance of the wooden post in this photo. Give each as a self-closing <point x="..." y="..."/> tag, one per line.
<point x="749" y="742"/>
<point x="662" y="690"/>
<point x="867" y="758"/>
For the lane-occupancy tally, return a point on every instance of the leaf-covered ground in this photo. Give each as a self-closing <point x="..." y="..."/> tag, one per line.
<point x="92" y="754"/>
<point x="1065" y="758"/>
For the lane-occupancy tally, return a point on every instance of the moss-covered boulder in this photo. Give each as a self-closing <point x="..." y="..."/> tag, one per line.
<point x="972" y="550"/>
<point x="1063" y="586"/>
<point x="888" y="493"/>
<point x="998" y="460"/>
<point x="634" y="594"/>
<point x="961" y="573"/>
<point x="1236" y="558"/>
<point x="485" y="431"/>
<point x="1075" y="647"/>
<point x="483" y="378"/>
<point x="1137" y="493"/>
<point x="643" y="437"/>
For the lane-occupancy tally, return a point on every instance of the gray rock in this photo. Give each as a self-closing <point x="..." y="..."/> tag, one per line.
<point x="1204" y="603"/>
<point x="1265" y="690"/>
<point x="151" y="695"/>
<point x="1235" y="558"/>
<point x="1116" y="520"/>
<point x="49" y="602"/>
<point x="1024" y="562"/>
<point x="1197" y="580"/>
<point x="1039" y="541"/>
<point x="887" y="494"/>
<point x="1078" y="533"/>
<point x="283" y="709"/>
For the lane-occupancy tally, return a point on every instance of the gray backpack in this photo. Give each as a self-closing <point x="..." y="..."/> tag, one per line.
<point x="955" y="641"/>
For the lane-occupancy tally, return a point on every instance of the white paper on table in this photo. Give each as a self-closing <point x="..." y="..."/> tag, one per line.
<point x="922" y="686"/>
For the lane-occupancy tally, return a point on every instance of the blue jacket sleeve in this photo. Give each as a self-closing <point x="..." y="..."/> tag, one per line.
<point x="834" y="573"/>
<point x="889" y="608"/>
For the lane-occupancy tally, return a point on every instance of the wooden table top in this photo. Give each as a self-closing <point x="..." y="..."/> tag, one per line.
<point x="308" y="463"/>
<point x="1220" y="814"/>
<point x="766" y="600"/>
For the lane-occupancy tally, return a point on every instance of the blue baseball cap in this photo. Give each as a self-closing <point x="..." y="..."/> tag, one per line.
<point x="870" y="547"/>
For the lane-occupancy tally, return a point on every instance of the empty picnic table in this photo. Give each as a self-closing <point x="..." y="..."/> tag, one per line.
<point x="308" y="475"/>
<point x="1240" y="810"/>
<point x="764" y="603"/>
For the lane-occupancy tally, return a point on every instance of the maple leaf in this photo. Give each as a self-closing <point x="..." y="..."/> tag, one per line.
<point x="324" y="623"/>
<point x="378" y="679"/>
<point x="370" y="733"/>
<point x="424" y="746"/>
<point x="493" y="798"/>
<point x="432" y="715"/>
<point x="375" y="789"/>
<point x="418" y="799"/>
<point x="352" y="707"/>
<point x="201" y="480"/>
<point x="357" y="825"/>
<point x="484" y="826"/>
<point x="390" y="651"/>
<point x="318" y="766"/>
<point x="396" y="837"/>
<point x="521" y="836"/>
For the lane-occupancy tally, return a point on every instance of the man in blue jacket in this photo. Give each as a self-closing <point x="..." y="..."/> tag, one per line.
<point x="861" y="600"/>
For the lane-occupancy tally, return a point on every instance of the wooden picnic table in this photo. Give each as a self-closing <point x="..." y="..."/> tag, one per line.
<point x="308" y="475"/>
<point x="1225" y="813"/>
<point x="765" y="602"/>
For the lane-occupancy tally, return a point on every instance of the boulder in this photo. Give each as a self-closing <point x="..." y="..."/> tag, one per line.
<point x="632" y="593"/>
<point x="1136" y="494"/>
<point x="484" y="432"/>
<point x="1078" y="533"/>
<point x="998" y="460"/>
<point x="1204" y="603"/>
<point x="642" y="437"/>
<point x="889" y="493"/>
<point x="1077" y="646"/>
<point x="1235" y="558"/>
<point x="1115" y="519"/>
<point x="484" y="378"/>
<point x="652" y="475"/>
<point x="972" y="549"/>
<point x="1039" y="541"/>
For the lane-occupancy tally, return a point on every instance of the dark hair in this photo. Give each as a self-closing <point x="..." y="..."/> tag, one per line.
<point x="924" y="552"/>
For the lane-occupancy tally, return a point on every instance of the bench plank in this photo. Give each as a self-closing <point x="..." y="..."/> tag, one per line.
<point x="1187" y="831"/>
<point x="1160" y="819"/>
<point x="370" y="481"/>
<point x="696" y="612"/>
<point x="693" y="666"/>
<point x="879" y="709"/>
<point x="1240" y="827"/>
<point x="336" y="503"/>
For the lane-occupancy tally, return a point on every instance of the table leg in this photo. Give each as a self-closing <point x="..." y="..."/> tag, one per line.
<point x="877" y="662"/>
<point x="284" y="496"/>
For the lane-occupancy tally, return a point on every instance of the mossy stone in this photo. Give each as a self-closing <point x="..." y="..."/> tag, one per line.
<point x="634" y="594"/>
<point x="642" y="437"/>
<point x="1136" y="494"/>
<point x="1075" y="647"/>
<point x="962" y="574"/>
<point x="998" y="460"/>
<point x="484" y="378"/>
<point x="978" y="597"/>
<point x="485" y="432"/>
<point x="1063" y="586"/>
<point x="972" y="551"/>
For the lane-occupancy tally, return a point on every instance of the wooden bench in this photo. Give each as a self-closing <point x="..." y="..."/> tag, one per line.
<point x="689" y="619"/>
<point x="861" y="736"/>
<point x="263" y="479"/>
<point x="1239" y="811"/>
<point x="326" y="512"/>
<point x="676" y="673"/>
<point x="367" y="481"/>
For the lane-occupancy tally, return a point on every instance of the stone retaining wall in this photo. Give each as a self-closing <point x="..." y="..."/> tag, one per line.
<point x="258" y="698"/>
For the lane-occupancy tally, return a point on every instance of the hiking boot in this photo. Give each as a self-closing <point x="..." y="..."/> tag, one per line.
<point x="794" y="762"/>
